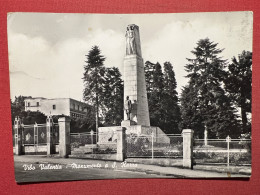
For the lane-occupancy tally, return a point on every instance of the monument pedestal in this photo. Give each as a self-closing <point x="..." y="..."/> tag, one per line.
<point x="127" y="123"/>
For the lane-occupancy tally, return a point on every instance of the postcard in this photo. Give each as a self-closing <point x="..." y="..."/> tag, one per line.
<point x="110" y="96"/>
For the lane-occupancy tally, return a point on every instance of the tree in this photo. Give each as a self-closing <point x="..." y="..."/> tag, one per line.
<point x="113" y="96"/>
<point x="170" y="106"/>
<point x="189" y="111"/>
<point x="17" y="106"/>
<point x="162" y="96"/>
<point x="155" y="88"/>
<point x="208" y="103"/>
<point x="238" y="84"/>
<point x="29" y="117"/>
<point x="94" y="79"/>
<point x="149" y="70"/>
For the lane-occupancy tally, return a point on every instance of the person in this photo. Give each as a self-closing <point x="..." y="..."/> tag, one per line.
<point x="128" y="107"/>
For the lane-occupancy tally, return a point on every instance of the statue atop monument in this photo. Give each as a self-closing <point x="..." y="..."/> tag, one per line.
<point x="134" y="80"/>
<point x="128" y="107"/>
<point x="130" y="40"/>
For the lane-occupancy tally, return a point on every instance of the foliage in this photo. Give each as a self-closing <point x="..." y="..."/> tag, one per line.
<point x="74" y="145"/>
<point x="94" y="79"/>
<point x="162" y="96"/>
<point x="209" y="106"/>
<point x="113" y="96"/>
<point x="137" y="145"/>
<point x="103" y="88"/>
<point x="104" y="151"/>
<point x="170" y="101"/>
<point x="235" y="158"/>
<point x="155" y="88"/>
<point x="238" y="84"/>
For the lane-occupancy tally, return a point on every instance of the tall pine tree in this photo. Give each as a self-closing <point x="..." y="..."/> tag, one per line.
<point x="149" y="70"/>
<point x="238" y="83"/>
<point x="94" y="79"/>
<point x="208" y="103"/>
<point x="162" y="96"/>
<point x="113" y="96"/>
<point x="170" y="101"/>
<point x="155" y="96"/>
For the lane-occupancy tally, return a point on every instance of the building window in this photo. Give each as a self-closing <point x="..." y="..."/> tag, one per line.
<point x="54" y="107"/>
<point x="28" y="104"/>
<point x="74" y="106"/>
<point x="38" y="104"/>
<point x="78" y="107"/>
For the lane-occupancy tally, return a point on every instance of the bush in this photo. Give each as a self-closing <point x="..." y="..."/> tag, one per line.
<point x="237" y="158"/>
<point x="138" y="146"/>
<point x="74" y="145"/>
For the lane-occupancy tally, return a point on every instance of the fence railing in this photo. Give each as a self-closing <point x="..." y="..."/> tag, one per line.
<point x="222" y="151"/>
<point x="86" y="143"/>
<point x="81" y="139"/>
<point x="154" y="146"/>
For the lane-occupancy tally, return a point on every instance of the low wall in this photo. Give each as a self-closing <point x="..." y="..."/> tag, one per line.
<point x="40" y="149"/>
<point x="95" y="156"/>
<point x="108" y="134"/>
<point x="157" y="161"/>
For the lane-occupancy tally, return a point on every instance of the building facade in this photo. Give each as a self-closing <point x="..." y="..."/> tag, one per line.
<point x="57" y="106"/>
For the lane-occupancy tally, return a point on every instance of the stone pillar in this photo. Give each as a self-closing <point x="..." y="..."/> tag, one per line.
<point x="121" y="144"/>
<point x="187" y="148"/>
<point x="134" y="78"/>
<point x="49" y="129"/>
<point x="64" y="133"/>
<point x="206" y="136"/>
<point x="18" y="136"/>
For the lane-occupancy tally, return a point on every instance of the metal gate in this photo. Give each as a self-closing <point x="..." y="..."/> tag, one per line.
<point x="34" y="139"/>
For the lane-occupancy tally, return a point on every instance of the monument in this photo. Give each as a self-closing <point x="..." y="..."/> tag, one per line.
<point x="136" y="112"/>
<point x="134" y="79"/>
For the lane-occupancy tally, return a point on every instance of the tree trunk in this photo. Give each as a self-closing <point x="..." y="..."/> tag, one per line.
<point x="243" y="113"/>
<point x="96" y="119"/>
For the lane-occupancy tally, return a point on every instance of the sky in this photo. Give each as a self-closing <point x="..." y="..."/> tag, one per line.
<point x="47" y="50"/>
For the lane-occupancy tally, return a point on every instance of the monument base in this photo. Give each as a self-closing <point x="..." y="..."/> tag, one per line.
<point x="127" y="123"/>
<point x="108" y="135"/>
<point x="141" y="130"/>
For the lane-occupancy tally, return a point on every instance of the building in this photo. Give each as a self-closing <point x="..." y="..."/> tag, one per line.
<point x="56" y="106"/>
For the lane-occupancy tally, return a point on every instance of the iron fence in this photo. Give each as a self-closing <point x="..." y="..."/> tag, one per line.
<point x="81" y="139"/>
<point x="154" y="145"/>
<point x="222" y="151"/>
<point x="86" y="143"/>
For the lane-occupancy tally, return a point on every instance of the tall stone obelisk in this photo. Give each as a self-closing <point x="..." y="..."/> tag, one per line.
<point x="134" y="78"/>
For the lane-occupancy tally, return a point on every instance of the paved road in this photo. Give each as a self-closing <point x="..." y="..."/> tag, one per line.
<point x="112" y="171"/>
<point x="68" y="173"/>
